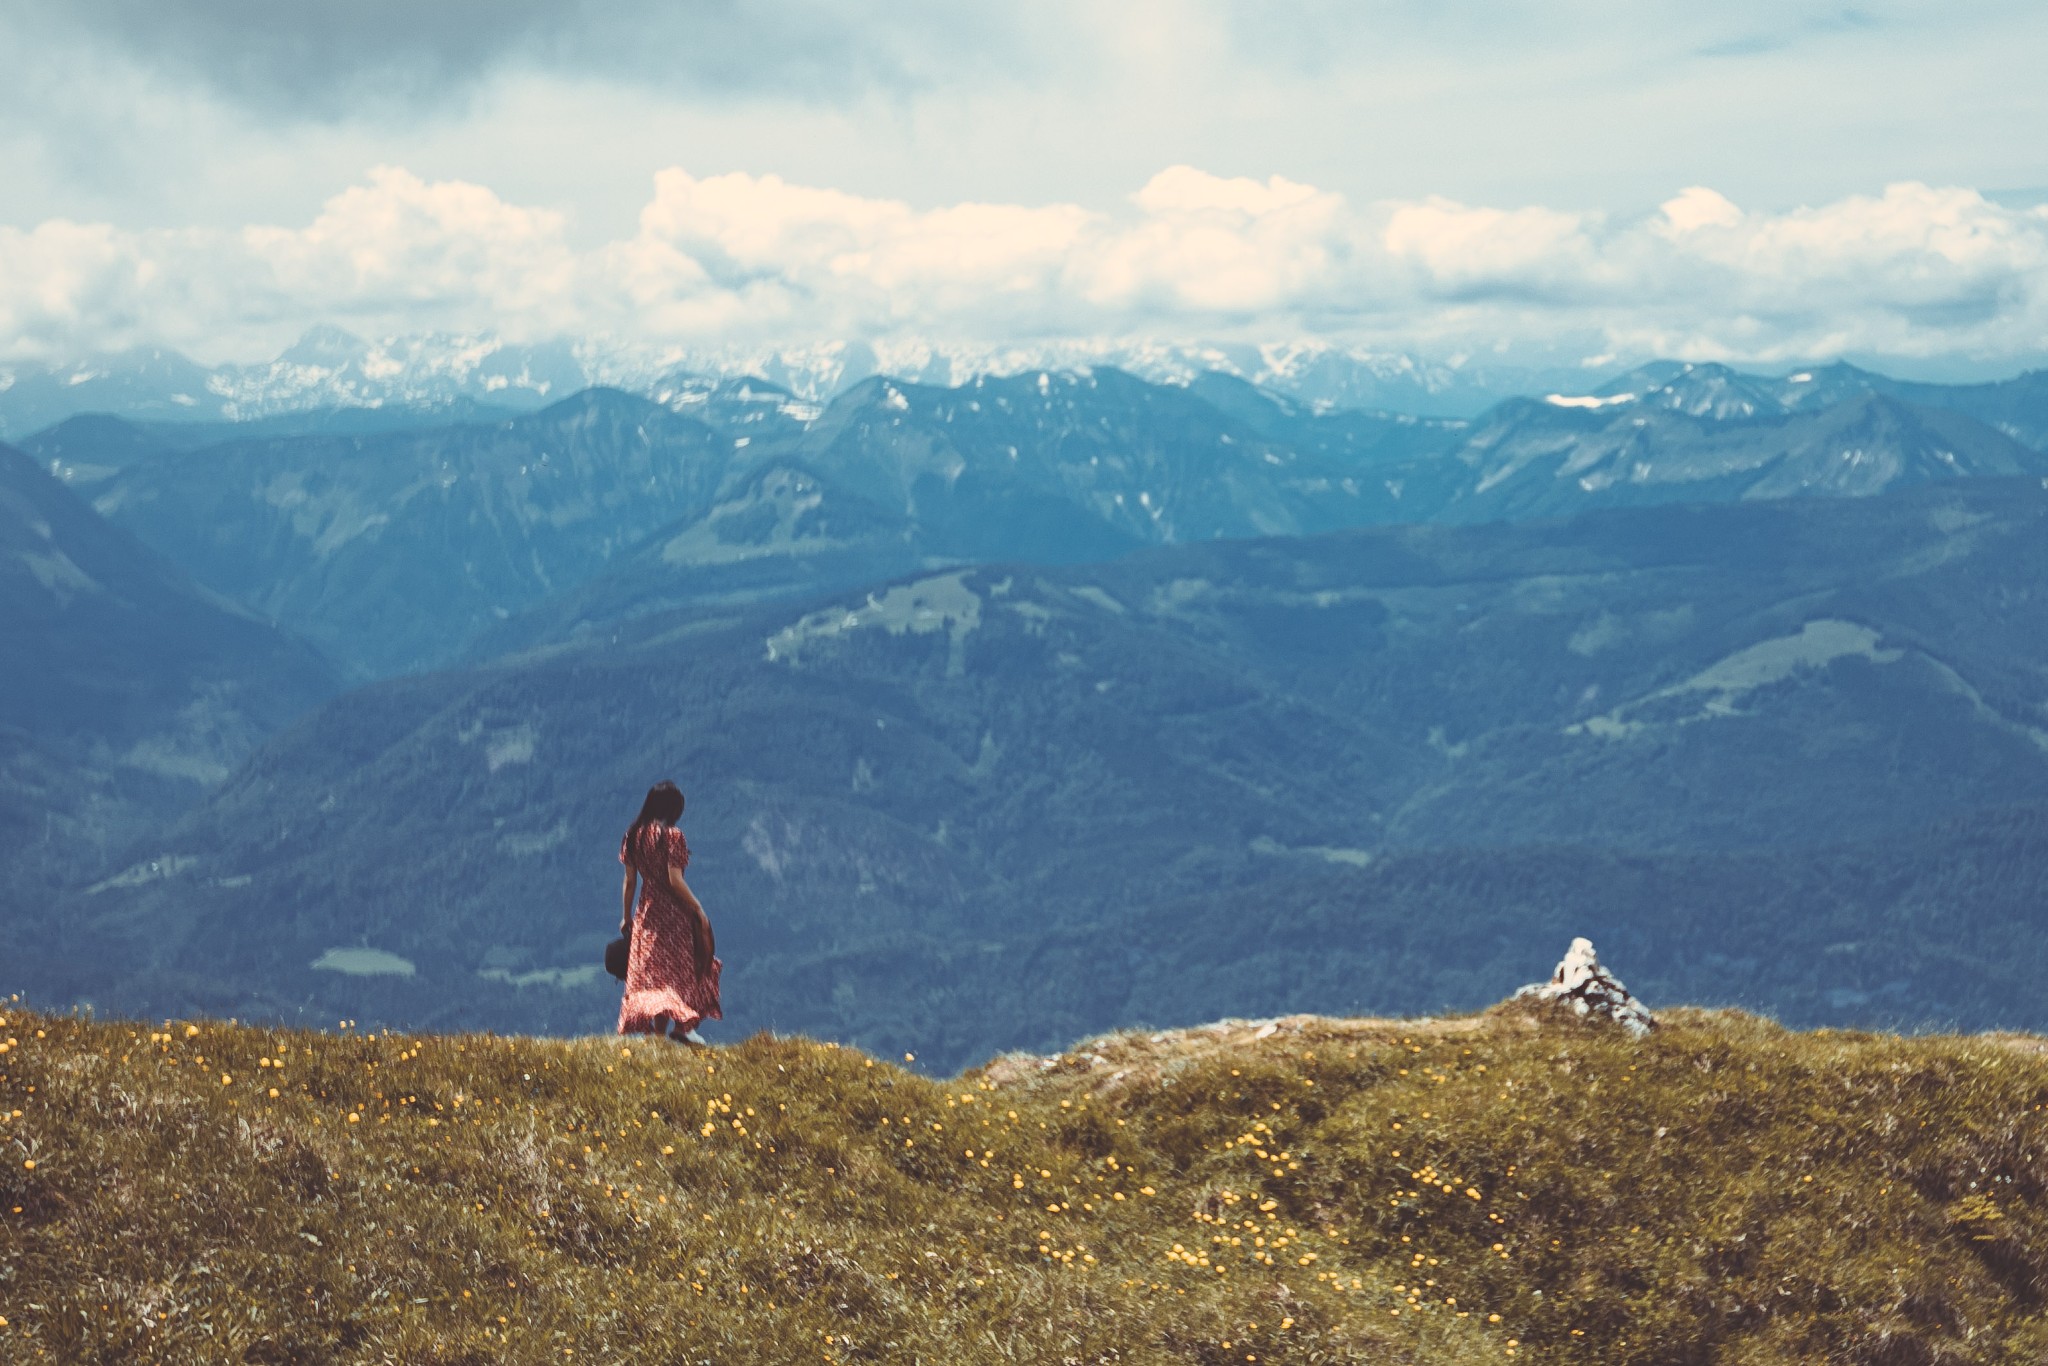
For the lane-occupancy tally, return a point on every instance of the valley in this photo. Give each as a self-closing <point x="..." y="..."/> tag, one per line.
<point x="130" y="691"/>
<point x="899" y="798"/>
<point x="1044" y="704"/>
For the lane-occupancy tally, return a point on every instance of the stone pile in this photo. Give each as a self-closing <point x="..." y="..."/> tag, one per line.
<point x="1591" y="990"/>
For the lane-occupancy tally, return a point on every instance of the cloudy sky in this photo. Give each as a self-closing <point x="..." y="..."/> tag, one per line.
<point x="1767" y="182"/>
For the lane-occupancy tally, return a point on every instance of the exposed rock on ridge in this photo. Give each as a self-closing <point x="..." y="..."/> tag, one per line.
<point x="1591" y="990"/>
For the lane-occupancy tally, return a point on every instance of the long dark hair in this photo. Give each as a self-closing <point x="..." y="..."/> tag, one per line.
<point x="664" y="805"/>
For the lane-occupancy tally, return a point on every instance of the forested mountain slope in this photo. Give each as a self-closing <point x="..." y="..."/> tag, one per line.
<point x="1533" y="458"/>
<point x="1090" y="788"/>
<point x="129" y="690"/>
<point x="390" y="549"/>
<point x="398" y="548"/>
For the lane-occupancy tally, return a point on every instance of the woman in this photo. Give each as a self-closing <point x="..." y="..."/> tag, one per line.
<point x="671" y="972"/>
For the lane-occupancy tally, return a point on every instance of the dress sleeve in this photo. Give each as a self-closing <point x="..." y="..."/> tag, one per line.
<point x="625" y="849"/>
<point x="678" y="849"/>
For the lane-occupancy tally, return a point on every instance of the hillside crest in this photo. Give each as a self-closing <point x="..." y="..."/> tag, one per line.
<point x="1518" y="1184"/>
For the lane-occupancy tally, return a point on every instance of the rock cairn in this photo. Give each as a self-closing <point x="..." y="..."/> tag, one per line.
<point x="1591" y="990"/>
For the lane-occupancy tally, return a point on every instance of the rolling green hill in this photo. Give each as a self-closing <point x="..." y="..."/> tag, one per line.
<point x="1512" y="1186"/>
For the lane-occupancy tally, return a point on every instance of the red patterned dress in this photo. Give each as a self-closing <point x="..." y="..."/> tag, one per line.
<point x="661" y="971"/>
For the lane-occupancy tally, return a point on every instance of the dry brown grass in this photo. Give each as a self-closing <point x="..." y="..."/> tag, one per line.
<point x="1514" y="1185"/>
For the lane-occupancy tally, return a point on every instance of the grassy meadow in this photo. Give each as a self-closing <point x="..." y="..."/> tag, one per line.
<point x="1512" y="1186"/>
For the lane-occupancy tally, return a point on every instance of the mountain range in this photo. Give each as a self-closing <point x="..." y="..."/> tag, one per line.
<point x="1034" y="704"/>
<point x="130" y="690"/>
<point x="731" y="490"/>
<point x="410" y="547"/>
<point x="2017" y="407"/>
<point x="328" y="368"/>
<point x="994" y="806"/>
<point x="1531" y="458"/>
<point x="388" y="550"/>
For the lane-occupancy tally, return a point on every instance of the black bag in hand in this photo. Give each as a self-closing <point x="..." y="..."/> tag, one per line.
<point x="616" y="955"/>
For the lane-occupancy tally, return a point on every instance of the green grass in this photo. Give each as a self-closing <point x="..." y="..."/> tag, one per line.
<point x="1506" y="1186"/>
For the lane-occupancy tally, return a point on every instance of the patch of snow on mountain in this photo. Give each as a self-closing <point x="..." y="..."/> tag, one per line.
<point x="331" y="368"/>
<point x="1586" y="400"/>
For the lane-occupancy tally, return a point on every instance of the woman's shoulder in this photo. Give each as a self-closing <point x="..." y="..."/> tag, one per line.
<point x="652" y="845"/>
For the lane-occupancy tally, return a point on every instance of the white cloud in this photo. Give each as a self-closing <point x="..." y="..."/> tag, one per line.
<point x="1915" y="271"/>
<point x="1462" y="251"/>
<point x="1184" y="189"/>
<point x="67" y="287"/>
<point x="195" y="113"/>
<point x="399" y="243"/>
<point x="1698" y="207"/>
<point x="762" y="255"/>
<point x="1206" y="246"/>
<point x="394" y="253"/>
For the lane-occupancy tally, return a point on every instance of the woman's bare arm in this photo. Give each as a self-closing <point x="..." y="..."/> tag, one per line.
<point x="626" y="903"/>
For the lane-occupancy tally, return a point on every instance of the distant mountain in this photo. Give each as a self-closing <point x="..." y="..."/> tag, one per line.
<point x="392" y="549"/>
<point x="775" y="531"/>
<point x="2017" y="407"/>
<point x="1147" y="463"/>
<point x="325" y="370"/>
<point x="1317" y="374"/>
<point x="1051" y="468"/>
<point x="87" y="450"/>
<point x="329" y="368"/>
<point x="403" y="547"/>
<point x="994" y="806"/>
<point x="388" y="550"/>
<point x="1352" y="435"/>
<point x="144" y="384"/>
<point x="1701" y="436"/>
<point x="128" y="691"/>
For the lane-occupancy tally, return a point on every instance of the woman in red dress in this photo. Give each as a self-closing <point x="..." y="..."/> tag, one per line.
<point x="672" y="970"/>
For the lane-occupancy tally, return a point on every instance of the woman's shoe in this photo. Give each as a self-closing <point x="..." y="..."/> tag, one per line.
<point x="693" y="1038"/>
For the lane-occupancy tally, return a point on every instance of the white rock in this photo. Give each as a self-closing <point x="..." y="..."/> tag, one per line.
<point x="1591" y="990"/>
